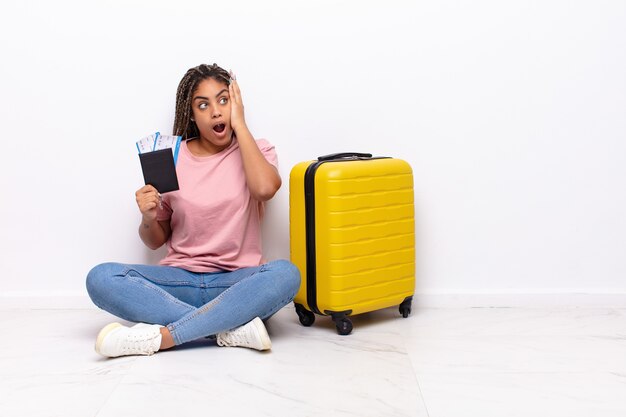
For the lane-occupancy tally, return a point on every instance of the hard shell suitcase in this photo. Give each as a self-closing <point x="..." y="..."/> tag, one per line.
<point x="352" y="236"/>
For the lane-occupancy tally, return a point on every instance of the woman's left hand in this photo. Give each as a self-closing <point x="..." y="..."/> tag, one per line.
<point x="237" y="120"/>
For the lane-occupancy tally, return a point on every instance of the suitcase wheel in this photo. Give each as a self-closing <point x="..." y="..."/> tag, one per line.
<point x="344" y="327"/>
<point x="343" y="323"/>
<point x="405" y="307"/>
<point x="307" y="318"/>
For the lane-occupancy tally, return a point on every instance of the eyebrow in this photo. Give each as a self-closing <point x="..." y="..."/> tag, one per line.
<point x="206" y="98"/>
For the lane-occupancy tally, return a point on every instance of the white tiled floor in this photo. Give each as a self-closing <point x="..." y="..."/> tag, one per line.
<point x="437" y="363"/>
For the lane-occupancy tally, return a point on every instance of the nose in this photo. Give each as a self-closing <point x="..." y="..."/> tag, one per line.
<point x="215" y="112"/>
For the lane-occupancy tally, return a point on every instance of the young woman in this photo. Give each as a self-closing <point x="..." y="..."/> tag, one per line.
<point x="212" y="282"/>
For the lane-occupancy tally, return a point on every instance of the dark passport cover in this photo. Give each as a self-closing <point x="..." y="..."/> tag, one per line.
<point x="159" y="170"/>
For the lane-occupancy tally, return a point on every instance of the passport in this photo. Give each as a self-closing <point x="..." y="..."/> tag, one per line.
<point x="159" y="170"/>
<point x="158" y="154"/>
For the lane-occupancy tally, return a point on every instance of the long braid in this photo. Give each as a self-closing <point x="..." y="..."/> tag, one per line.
<point x="183" y="125"/>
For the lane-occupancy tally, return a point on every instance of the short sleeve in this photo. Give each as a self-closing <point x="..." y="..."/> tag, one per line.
<point x="268" y="151"/>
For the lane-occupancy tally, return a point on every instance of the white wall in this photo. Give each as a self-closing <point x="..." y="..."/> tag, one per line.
<point x="511" y="113"/>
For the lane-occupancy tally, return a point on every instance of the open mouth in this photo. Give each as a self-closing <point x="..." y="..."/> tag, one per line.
<point x="219" y="128"/>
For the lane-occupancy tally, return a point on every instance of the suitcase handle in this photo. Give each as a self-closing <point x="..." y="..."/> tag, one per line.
<point x="345" y="155"/>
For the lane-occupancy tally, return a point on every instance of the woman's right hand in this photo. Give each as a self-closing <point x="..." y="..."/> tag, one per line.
<point x="148" y="198"/>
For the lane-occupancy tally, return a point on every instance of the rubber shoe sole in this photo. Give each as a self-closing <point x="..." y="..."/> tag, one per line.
<point x="265" y="338"/>
<point x="103" y="333"/>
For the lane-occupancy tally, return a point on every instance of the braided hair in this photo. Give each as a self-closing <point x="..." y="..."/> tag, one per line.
<point x="183" y="125"/>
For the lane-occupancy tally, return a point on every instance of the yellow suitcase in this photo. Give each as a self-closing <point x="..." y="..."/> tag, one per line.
<point x="352" y="236"/>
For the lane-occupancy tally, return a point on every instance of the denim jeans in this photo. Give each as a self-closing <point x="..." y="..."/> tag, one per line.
<point x="192" y="305"/>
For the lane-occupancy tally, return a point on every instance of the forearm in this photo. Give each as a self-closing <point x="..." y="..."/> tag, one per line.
<point x="152" y="234"/>
<point x="262" y="177"/>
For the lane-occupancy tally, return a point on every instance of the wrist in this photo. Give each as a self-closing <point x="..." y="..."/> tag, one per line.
<point x="243" y="134"/>
<point x="239" y="127"/>
<point x="148" y="220"/>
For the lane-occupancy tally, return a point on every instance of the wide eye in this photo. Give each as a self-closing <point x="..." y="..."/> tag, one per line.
<point x="203" y="106"/>
<point x="223" y="100"/>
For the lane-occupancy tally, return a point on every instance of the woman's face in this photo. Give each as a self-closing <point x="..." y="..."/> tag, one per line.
<point x="210" y="105"/>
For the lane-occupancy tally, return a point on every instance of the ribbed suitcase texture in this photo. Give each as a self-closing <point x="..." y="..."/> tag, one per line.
<point x="352" y="237"/>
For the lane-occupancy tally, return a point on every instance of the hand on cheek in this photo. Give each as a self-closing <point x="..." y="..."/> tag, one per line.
<point x="237" y="120"/>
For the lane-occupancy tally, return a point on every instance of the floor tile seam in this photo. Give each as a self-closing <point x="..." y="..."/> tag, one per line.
<point x="117" y="385"/>
<point x="621" y="336"/>
<point x="414" y="373"/>
<point x="602" y="372"/>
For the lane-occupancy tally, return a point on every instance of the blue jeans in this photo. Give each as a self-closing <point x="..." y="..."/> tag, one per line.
<point x="192" y="305"/>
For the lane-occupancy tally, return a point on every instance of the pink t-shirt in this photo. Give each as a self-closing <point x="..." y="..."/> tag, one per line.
<point x="215" y="222"/>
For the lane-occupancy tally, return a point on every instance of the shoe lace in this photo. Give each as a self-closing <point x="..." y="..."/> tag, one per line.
<point x="236" y="337"/>
<point x="139" y="343"/>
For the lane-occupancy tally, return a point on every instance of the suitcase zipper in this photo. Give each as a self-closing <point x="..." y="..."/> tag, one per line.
<point x="309" y="209"/>
<point x="311" y="260"/>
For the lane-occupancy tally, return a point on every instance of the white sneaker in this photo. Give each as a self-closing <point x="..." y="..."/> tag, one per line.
<point x="251" y="335"/>
<point x="116" y="340"/>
